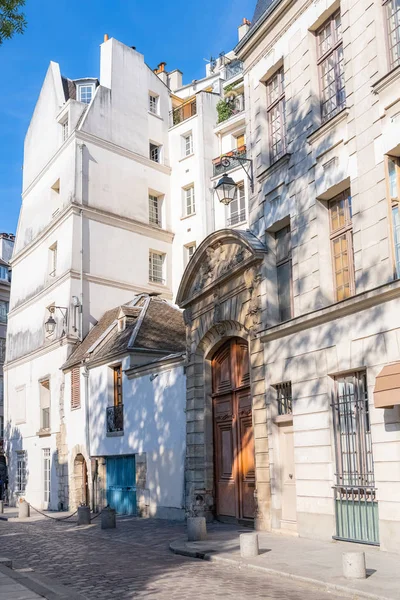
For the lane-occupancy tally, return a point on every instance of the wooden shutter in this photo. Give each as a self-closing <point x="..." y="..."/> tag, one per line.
<point x="75" y="388"/>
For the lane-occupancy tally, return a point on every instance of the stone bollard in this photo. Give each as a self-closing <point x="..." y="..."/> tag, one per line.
<point x="83" y="515"/>
<point x="249" y="545"/>
<point x="197" y="529"/>
<point x="354" y="565"/>
<point x="24" y="509"/>
<point x="1" y="506"/>
<point x="108" y="519"/>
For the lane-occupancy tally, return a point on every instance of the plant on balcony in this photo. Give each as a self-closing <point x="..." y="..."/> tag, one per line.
<point x="226" y="106"/>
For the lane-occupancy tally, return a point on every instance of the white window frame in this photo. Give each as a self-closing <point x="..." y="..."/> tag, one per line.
<point x="190" y="249"/>
<point x="237" y="208"/>
<point x="152" y="149"/>
<point x="80" y="87"/>
<point x="156" y="271"/>
<point x="65" y="130"/>
<point x="21" y="472"/>
<point x="53" y="260"/>
<point x="187" y="144"/>
<point x="157" y="218"/>
<point x="46" y="463"/>
<point x="189" y="201"/>
<point x="154" y="103"/>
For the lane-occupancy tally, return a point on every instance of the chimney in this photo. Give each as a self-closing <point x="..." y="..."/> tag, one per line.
<point x="161" y="72"/>
<point x="106" y="37"/>
<point x="243" y="28"/>
<point x="175" y="80"/>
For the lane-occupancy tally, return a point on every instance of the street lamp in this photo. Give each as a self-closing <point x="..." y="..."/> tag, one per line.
<point x="51" y="324"/>
<point x="226" y="189"/>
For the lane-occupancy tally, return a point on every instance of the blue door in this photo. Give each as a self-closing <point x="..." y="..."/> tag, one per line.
<point x="121" y="484"/>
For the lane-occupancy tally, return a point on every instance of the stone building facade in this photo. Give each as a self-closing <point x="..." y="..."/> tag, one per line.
<point x="323" y="321"/>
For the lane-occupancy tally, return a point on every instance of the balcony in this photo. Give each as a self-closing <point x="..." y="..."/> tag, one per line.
<point x="115" y="418"/>
<point x="229" y="107"/>
<point x="233" y="68"/>
<point x="236" y="217"/>
<point x="221" y="166"/>
<point x="182" y="113"/>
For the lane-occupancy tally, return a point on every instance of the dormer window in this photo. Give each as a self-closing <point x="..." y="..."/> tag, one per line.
<point x="85" y="92"/>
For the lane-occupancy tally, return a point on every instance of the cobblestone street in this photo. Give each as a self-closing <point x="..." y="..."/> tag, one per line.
<point x="134" y="561"/>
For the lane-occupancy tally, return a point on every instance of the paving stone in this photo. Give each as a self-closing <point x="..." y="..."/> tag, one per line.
<point x="133" y="561"/>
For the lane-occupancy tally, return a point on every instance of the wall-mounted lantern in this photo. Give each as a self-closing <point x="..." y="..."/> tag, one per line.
<point x="226" y="187"/>
<point x="51" y="324"/>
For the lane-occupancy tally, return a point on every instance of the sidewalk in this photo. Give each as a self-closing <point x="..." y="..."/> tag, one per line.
<point x="11" y="514"/>
<point x="314" y="562"/>
<point x="10" y="588"/>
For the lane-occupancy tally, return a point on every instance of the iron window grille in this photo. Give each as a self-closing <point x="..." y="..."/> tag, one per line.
<point x="394" y="196"/>
<point x="154" y="210"/>
<point x="356" y="508"/>
<point x="276" y="112"/>
<point x="392" y="9"/>
<point x="283" y="239"/>
<point x="284" y="398"/>
<point x="115" y="418"/>
<point x="331" y="67"/>
<point x="156" y="267"/>
<point x="341" y="226"/>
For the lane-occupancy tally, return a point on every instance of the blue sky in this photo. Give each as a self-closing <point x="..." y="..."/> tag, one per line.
<point x="69" y="32"/>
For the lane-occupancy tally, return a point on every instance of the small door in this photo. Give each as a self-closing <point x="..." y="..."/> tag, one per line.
<point x="46" y="478"/>
<point x="288" y="476"/>
<point x="121" y="484"/>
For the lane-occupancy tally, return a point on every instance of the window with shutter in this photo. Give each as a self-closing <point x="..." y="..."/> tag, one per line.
<point x="75" y="388"/>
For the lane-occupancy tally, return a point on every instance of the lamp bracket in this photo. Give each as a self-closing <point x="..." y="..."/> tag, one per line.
<point x="245" y="163"/>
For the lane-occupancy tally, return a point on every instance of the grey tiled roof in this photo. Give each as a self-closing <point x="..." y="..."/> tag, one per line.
<point x="261" y="7"/>
<point x="151" y="324"/>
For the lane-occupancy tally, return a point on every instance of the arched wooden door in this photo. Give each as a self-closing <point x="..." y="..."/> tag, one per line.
<point x="233" y="432"/>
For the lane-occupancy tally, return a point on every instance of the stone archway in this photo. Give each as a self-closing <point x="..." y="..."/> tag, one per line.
<point x="223" y="294"/>
<point x="79" y="479"/>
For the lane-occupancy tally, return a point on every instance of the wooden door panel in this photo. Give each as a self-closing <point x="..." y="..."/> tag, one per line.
<point x="242" y="364"/>
<point x="226" y="491"/>
<point x="222" y="371"/>
<point x="247" y="470"/>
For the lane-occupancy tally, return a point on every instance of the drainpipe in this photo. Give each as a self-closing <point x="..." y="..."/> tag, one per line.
<point x="87" y="427"/>
<point x="81" y="148"/>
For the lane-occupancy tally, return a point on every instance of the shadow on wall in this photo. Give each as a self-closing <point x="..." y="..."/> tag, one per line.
<point x="17" y="470"/>
<point x="154" y="426"/>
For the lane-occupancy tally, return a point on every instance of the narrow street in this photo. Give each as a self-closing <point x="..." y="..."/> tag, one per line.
<point x="134" y="561"/>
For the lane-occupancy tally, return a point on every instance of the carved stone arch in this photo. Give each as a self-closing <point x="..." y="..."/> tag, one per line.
<point x="217" y="336"/>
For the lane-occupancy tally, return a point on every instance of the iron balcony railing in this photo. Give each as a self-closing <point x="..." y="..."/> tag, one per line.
<point x="234" y="68"/>
<point x="236" y="218"/>
<point x="221" y="166"/>
<point x="181" y="113"/>
<point x="115" y="418"/>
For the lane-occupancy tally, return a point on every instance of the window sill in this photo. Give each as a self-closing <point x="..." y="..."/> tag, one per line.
<point x="390" y="78"/>
<point x="158" y="283"/>
<point x="328" y="125"/>
<point x="186" y="157"/>
<point x="115" y="433"/>
<point x="275" y="166"/>
<point x="73" y="408"/>
<point x="43" y="433"/>
<point x="188" y="216"/>
<point x="283" y="419"/>
<point x="155" y="115"/>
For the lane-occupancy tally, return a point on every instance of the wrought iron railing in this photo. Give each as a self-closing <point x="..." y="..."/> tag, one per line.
<point x="236" y="218"/>
<point x="181" y="113"/>
<point x="220" y="166"/>
<point x="115" y="418"/>
<point x="234" y="68"/>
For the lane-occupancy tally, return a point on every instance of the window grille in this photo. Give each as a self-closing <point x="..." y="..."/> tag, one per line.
<point x="284" y="398"/>
<point x="276" y="115"/>
<point x="156" y="267"/>
<point x="331" y="65"/>
<point x="154" y="211"/>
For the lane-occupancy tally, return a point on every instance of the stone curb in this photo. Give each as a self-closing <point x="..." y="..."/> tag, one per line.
<point x="41" y="585"/>
<point x="181" y="549"/>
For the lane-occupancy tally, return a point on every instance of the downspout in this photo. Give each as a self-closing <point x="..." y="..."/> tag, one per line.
<point x="87" y="427"/>
<point x="81" y="148"/>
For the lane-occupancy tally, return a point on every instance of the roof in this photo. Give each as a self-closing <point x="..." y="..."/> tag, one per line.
<point x="151" y="324"/>
<point x="261" y="7"/>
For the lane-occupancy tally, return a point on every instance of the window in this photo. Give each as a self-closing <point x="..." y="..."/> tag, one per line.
<point x="118" y="385"/>
<point x="187" y="144"/>
<point x="21" y="472"/>
<point x="276" y="115"/>
<point x="65" y="130"/>
<point x="284" y="273"/>
<point x="2" y="350"/>
<point x="4" y="273"/>
<point x="155" y="153"/>
<point x="154" y="210"/>
<point x="394" y="179"/>
<point x="3" y="311"/>
<point x="342" y="245"/>
<point x="45" y="405"/>
<point x="20" y="409"/>
<point x="53" y="260"/>
<point x="75" y="388"/>
<point x="237" y="208"/>
<point x="331" y="66"/>
<point x="85" y="93"/>
<point x="156" y="267"/>
<point x="189" y="207"/>
<point x="153" y="104"/>
<point x="392" y="8"/>
<point x="284" y="398"/>
<point x="46" y="476"/>
<point x="190" y="249"/>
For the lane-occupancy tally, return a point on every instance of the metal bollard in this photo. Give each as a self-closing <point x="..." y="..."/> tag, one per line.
<point x="24" y="509"/>
<point x="108" y="518"/>
<point x="248" y="545"/>
<point x="1" y="506"/>
<point x="354" y="565"/>
<point x="83" y="515"/>
<point x="197" y="529"/>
